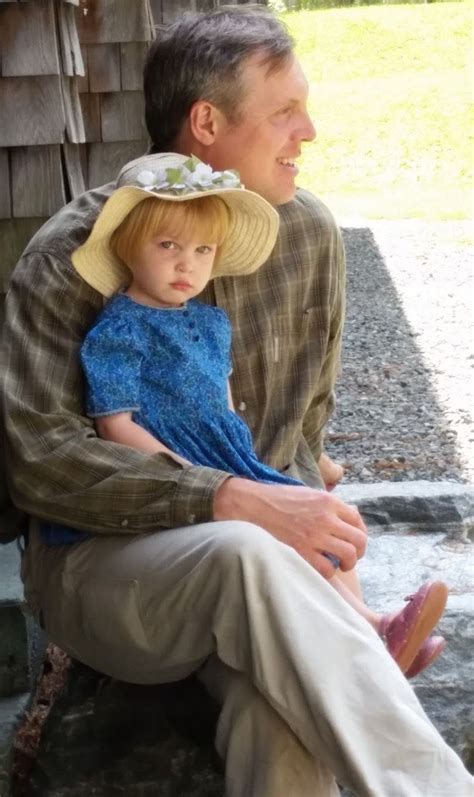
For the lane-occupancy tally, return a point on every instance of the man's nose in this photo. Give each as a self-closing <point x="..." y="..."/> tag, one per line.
<point x="303" y="128"/>
<point x="308" y="130"/>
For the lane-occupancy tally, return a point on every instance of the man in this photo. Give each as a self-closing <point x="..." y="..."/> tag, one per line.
<point x="187" y="568"/>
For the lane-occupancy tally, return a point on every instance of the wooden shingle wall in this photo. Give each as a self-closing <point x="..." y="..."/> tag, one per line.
<point x="71" y="105"/>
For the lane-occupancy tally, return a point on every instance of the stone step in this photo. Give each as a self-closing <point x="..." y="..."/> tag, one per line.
<point x="417" y="506"/>
<point x="11" y="712"/>
<point x="14" y="667"/>
<point x="14" y="658"/>
<point x="108" y="738"/>
<point x="421" y="531"/>
<point x="21" y="651"/>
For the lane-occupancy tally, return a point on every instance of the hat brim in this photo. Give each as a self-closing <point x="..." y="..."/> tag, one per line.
<point x="252" y="234"/>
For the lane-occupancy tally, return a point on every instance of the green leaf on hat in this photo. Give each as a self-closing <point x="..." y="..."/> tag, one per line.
<point x="174" y="176"/>
<point x="234" y="172"/>
<point x="191" y="163"/>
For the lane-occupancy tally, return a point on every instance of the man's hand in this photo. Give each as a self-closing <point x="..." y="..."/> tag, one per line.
<point x="310" y="521"/>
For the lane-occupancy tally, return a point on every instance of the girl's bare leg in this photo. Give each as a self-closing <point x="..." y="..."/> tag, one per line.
<point x="348" y="587"/>
<point x="331" y="474"/>
<point x="406" y="632"/>
<point x="351" y="581"/>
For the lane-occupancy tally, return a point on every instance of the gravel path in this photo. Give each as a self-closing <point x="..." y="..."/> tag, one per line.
<point x="405" y="394"/>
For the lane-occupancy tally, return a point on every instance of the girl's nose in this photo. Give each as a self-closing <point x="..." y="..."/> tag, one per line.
<point x="184" y="264"/>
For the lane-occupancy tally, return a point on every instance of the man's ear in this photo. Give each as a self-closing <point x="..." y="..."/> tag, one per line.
<point x="205" y="121"/>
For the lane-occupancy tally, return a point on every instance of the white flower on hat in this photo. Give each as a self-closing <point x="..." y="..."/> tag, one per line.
<point x="153" y="181"/>
<point x="146" y="177"/>
<point x="193" y="175"/>
<point x="231" y="179"/>
<point x="201" y="177"/>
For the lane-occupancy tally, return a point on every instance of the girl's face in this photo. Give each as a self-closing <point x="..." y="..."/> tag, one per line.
<point x="169" y="269"/>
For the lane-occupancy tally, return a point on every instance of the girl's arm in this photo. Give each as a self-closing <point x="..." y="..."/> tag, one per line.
<point x="120" y="428"/>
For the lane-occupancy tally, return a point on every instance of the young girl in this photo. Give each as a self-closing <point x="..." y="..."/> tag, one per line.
<point x="157" y="363"/>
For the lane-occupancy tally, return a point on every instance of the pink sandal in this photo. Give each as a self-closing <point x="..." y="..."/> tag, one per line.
<point x="405" y="632"/>
<point x="427" y="654"/>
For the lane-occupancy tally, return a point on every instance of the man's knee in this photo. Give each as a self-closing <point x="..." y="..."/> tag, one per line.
<point x="239" y="542"/>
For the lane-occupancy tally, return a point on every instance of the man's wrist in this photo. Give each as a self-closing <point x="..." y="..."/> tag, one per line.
<point x="231" y="499"/>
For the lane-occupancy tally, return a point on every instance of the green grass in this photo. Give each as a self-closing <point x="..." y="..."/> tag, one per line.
<point x="391" y="97"/>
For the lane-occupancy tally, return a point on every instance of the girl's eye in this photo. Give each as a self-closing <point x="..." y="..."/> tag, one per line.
<point x="204" y="249"/>
<point x="167" y="244"/>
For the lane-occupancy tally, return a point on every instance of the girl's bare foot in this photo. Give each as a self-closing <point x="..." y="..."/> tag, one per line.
<point x="331" y="472"/>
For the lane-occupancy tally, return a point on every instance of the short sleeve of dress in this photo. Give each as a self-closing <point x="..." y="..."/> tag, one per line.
<point x="111" y="361"/>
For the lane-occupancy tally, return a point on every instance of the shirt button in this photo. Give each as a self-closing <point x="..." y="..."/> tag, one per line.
<point x="242" y="406"/>
<point x="192" y="324"/>
<point x="124" y="522"/>
<point x="191" y="518"/>
<point x="196" y="338"/>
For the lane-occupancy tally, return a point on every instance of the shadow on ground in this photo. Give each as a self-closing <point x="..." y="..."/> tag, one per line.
<point x="388" y="423"/>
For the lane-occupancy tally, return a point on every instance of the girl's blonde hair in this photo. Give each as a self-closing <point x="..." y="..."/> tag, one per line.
<point x="206" y="218"/>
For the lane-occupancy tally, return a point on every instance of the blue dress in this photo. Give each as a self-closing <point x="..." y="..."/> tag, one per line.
<point x="169" y="367"/>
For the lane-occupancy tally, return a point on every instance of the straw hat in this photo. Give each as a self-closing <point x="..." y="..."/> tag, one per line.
<point x="253" y="227"/>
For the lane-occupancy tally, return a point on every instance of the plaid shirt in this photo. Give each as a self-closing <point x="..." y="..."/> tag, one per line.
<point x="287" y="322"/>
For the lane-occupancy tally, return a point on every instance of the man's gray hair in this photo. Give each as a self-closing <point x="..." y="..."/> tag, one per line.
<point x="201" y="56"/>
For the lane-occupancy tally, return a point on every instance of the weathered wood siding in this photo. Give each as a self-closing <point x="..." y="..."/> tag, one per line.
<point x="71" y="105"/>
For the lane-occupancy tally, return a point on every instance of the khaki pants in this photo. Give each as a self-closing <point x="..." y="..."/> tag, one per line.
<point x="308" y="692"/>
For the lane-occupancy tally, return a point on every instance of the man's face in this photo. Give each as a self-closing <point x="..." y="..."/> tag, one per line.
<point x="273" y="122"/>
